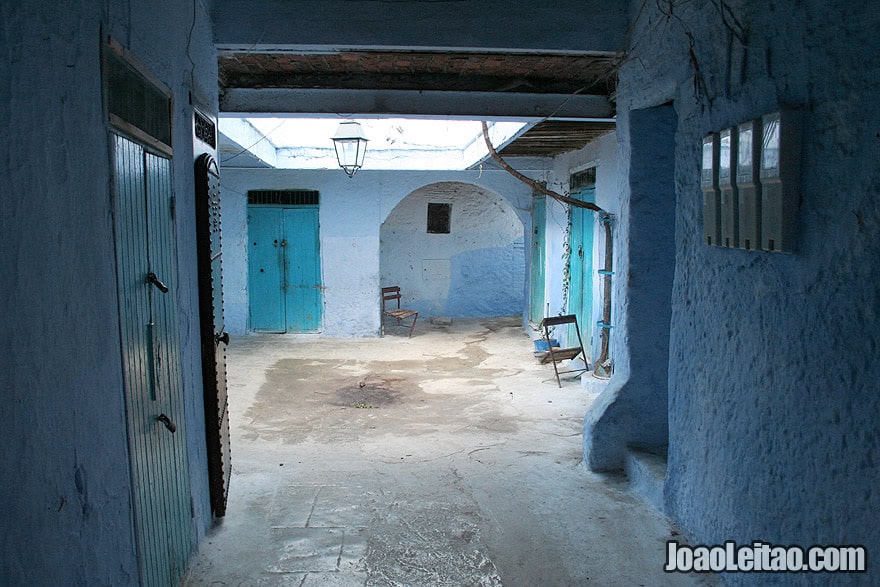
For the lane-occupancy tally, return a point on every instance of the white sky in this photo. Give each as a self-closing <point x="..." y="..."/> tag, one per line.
<point x="384" y="133"/>
<point x="394" y="143"/>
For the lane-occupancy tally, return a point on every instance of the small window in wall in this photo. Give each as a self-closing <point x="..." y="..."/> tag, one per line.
<point x="137" y="103"/>
<point x="438" y="218"/>
<point x="582" y="179"/>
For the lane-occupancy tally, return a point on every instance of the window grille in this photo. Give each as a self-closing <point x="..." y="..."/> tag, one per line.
<point x="283" y="198"/>
<point x="439" y="216"/>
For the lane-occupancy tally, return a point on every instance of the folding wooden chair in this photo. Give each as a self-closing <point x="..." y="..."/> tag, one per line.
<point x="562" y="354"/>
<point x="399" y="314"/>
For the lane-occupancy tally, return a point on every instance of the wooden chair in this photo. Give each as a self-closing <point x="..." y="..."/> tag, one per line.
<point x="562" y="354"/>
<point x="399" y="314"/>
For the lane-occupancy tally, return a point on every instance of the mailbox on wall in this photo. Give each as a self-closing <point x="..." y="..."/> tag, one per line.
<point x="711" y="195"/>
<point x="747" y="184"/>
<point x="780" y="179"/>
<point x="727" y="186"/>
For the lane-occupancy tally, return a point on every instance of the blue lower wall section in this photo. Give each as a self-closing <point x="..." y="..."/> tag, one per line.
<point x="485" y="283"/>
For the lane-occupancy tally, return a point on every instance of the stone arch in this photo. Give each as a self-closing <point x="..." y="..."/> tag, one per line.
<point x="476" y="270"/>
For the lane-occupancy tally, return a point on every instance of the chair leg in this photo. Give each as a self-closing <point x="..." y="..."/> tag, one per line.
<point x="413" y="325"/>
<point x="552" y="358"/>
<point x="558" y="382"/>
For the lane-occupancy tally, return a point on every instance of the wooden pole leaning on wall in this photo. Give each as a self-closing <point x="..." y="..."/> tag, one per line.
<point x="529" y="181"/>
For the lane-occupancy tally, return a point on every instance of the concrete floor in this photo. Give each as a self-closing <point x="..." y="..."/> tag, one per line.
<point x="451" y="458"/>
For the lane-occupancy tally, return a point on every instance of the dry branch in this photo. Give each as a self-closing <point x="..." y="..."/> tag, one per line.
<point x="527" y="180"/>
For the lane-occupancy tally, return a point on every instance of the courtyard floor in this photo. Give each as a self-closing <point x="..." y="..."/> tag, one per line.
<point x="451" y="458"/>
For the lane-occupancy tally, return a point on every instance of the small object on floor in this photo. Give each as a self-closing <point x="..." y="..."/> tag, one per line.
<point x="441" y="321"/>
<point x="603" y="370"/>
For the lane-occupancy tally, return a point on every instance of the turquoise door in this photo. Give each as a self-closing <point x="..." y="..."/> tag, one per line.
<point x="284" y="269"/>
<point x="302" y="270"/>
<point x="265" y="263"/>
<point x="538" y="255"/>
<point x="581" y="268"/>
<point x="146" y="276"/>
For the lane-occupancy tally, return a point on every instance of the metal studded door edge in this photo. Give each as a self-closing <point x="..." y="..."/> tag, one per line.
<point x="213" y="335"/>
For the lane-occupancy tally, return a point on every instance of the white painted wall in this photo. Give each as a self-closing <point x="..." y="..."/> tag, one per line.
<point x="477" y="270"/>
<point x="351" y="214"/>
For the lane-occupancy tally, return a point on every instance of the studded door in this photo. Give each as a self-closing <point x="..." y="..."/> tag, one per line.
<point x="213" y="334"/>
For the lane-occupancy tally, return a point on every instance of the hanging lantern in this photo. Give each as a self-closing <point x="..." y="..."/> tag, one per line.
<point x="351" y="146"/>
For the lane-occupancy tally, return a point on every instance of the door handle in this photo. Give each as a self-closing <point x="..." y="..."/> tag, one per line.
<point x="169" y="424"/>
<point x="155" y="281"/>
<point x="224" y="338"/>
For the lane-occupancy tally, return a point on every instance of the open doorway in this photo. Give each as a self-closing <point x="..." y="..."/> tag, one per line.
<point x="479" y="392"/>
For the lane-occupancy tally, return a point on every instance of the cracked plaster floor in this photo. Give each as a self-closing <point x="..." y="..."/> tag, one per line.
<point x="451" y="458"/>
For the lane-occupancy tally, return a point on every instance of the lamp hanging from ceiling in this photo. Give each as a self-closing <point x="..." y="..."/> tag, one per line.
<point x="351" y="146"/>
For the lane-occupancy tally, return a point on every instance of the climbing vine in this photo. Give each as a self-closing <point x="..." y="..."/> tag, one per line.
<point x="566" y="261"/>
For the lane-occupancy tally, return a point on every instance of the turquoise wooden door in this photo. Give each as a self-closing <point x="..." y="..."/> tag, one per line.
<point x="538" y="255"/>
<point x="265" y="263"/>
<point x="146" y="278"/>
<point x="302" y="269"/>
<point x="284" y="267"/>
<point x="581" y="268"/>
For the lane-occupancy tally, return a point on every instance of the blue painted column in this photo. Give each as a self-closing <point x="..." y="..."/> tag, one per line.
<point x="633" y="409"/>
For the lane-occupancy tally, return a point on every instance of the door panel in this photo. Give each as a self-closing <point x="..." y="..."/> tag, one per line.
<point x="536" y="275"/>
<point x="213" y="335"/>
<point x="265" y="263"/>
<point x="581" y="268"/>
<point x="303" y="297"/>
<point x="151" y="360"/>
<point x="173" y="470"/>
<point x="284" y="269"/>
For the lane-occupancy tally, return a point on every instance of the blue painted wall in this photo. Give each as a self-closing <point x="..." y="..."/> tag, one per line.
<point x="67" y="516"/>
<point x="773" y="372"/>
<point x="633" y="406"/>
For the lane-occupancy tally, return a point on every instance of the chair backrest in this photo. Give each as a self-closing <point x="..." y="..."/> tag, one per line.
<point x="390" y="293"/>
<point x="551" y="321"/>
<point x="556" y="320"/>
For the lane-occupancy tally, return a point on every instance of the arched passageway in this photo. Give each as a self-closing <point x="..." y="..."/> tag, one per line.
<point x="456" y="250"/>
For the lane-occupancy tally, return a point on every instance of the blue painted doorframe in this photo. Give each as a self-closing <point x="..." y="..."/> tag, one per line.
<point x="580" y="301"/>
<point x="284" y="269"/>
